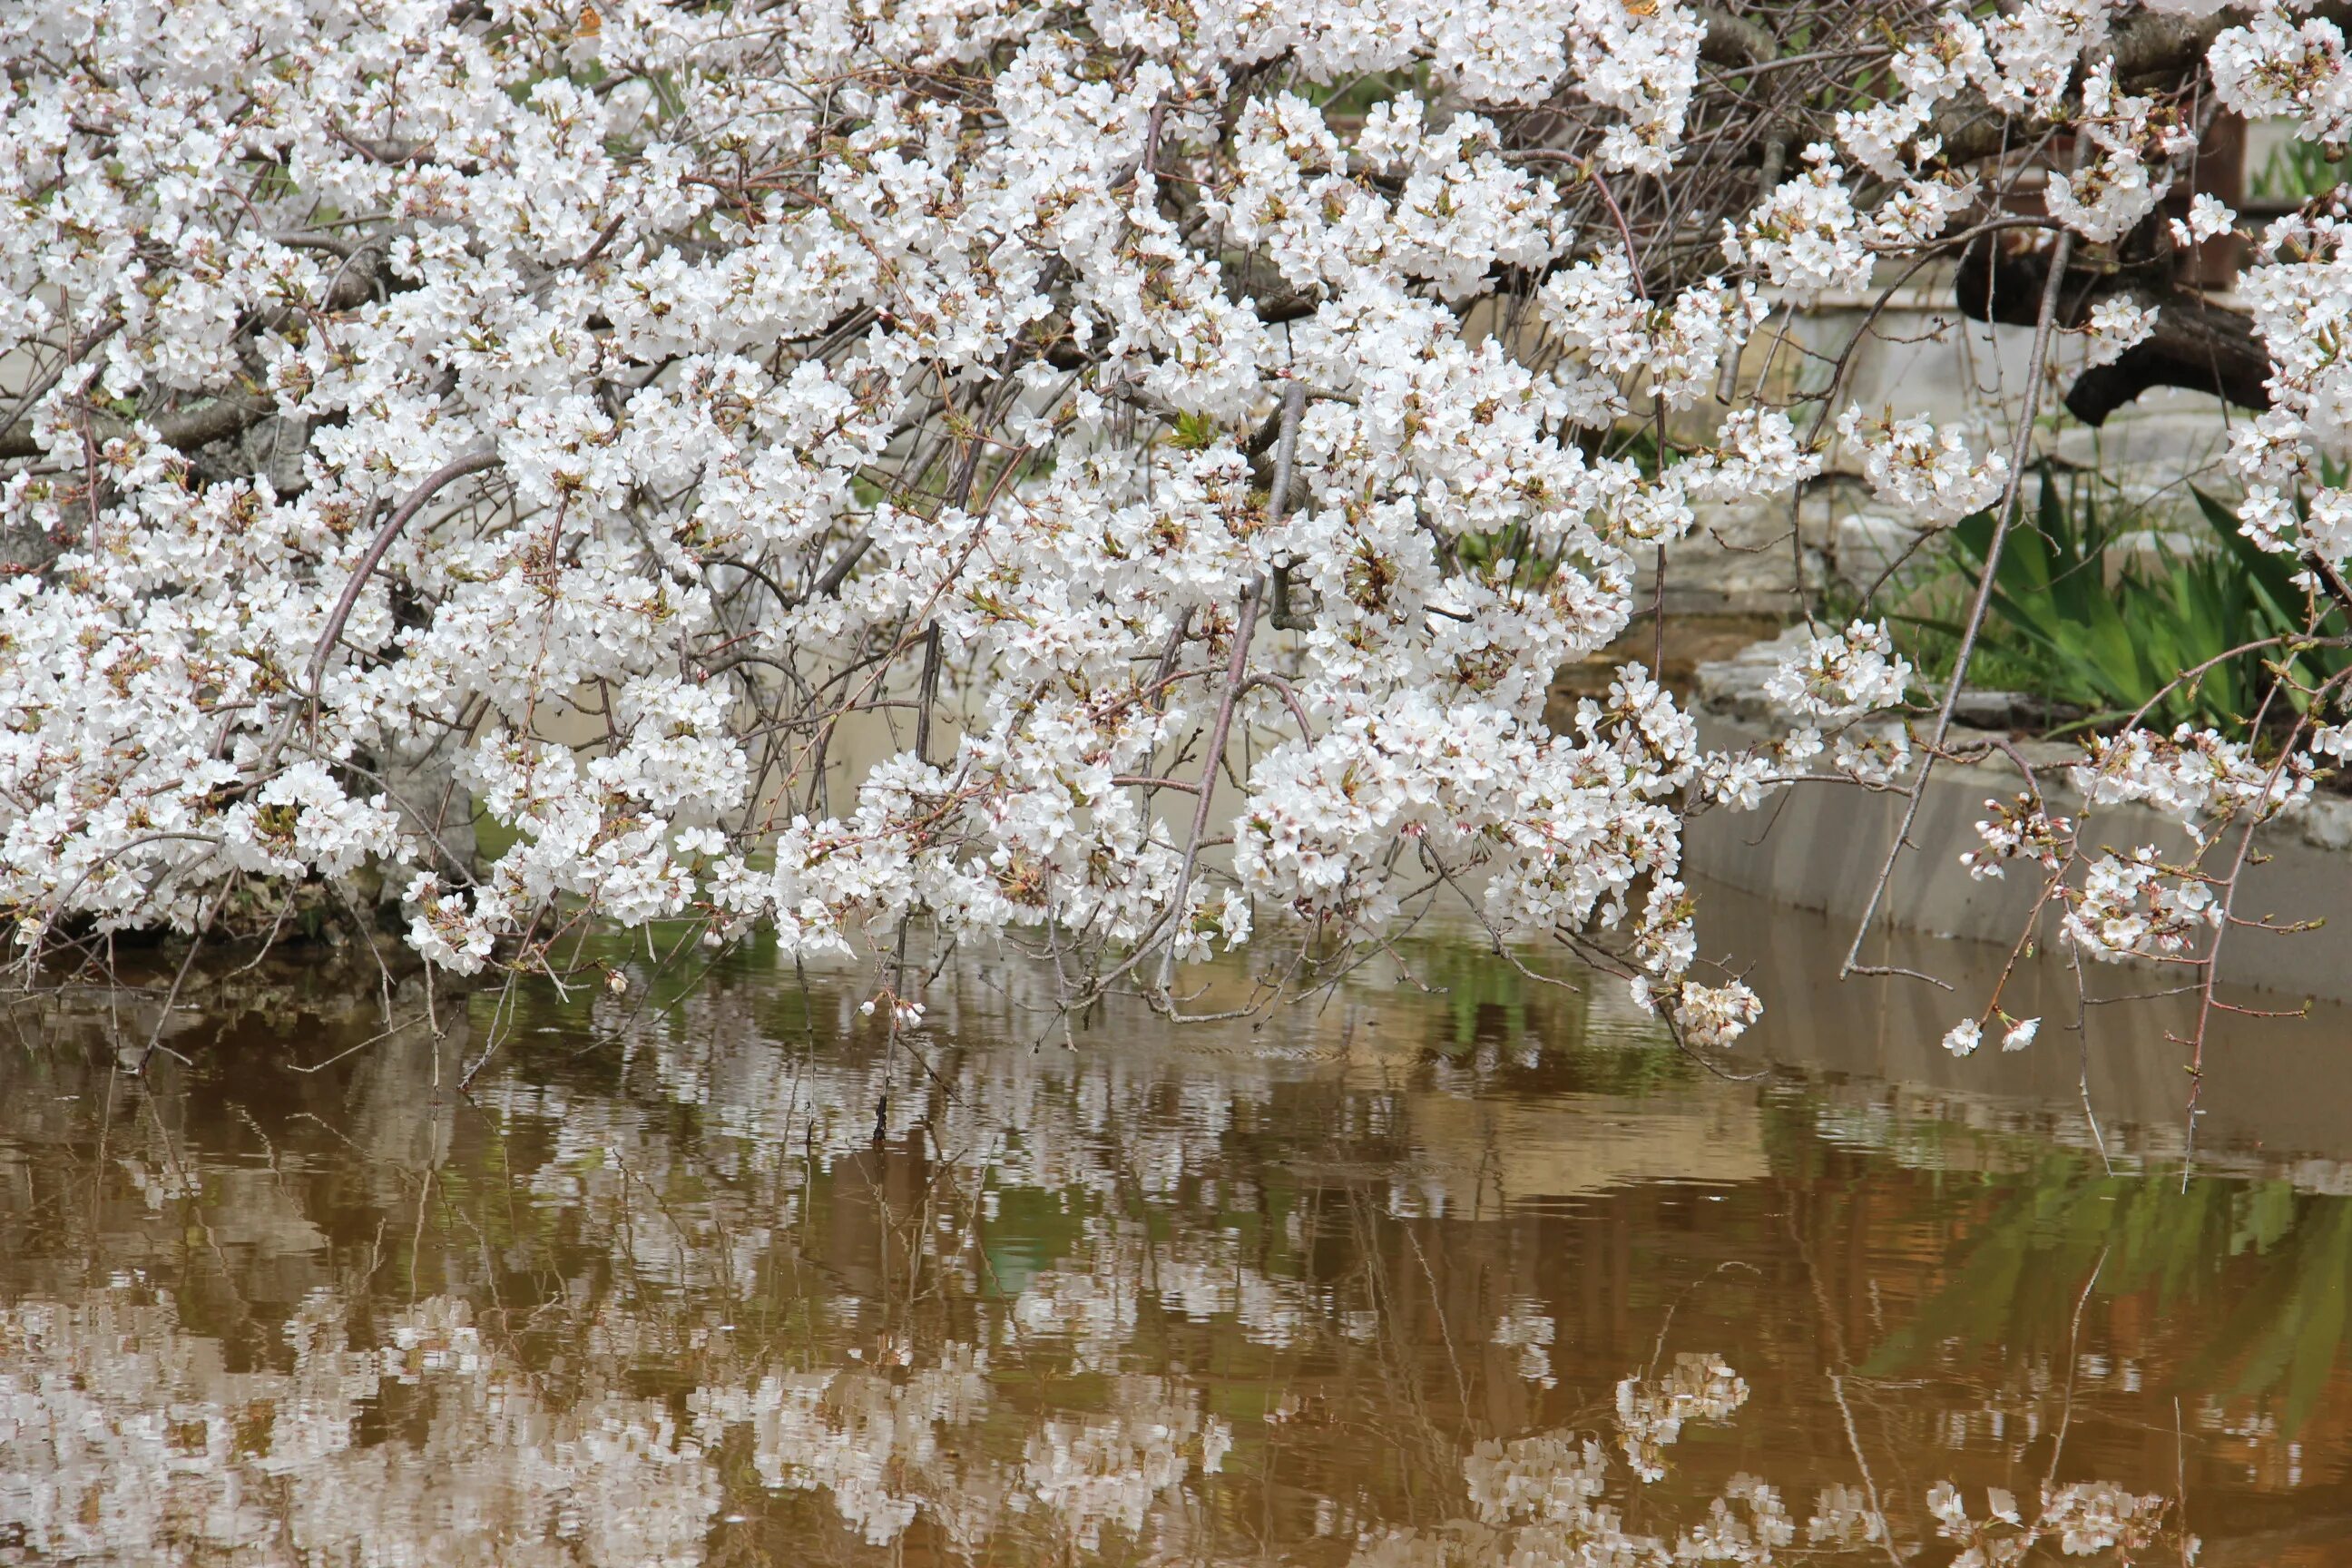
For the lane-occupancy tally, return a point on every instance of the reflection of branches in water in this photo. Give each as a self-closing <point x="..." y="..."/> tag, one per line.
<point x="714" y="1277"/>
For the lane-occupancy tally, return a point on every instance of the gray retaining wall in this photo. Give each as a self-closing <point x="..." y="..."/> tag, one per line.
<point x="1820" y="846"/>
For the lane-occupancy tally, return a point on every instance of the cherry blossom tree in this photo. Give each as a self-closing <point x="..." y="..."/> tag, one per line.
<point x="500" y="458"/>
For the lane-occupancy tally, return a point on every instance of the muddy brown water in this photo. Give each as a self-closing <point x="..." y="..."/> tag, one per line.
<point x="1447" y="1266"/>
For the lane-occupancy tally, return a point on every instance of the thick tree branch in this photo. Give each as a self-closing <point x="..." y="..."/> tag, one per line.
<point x="1732" y="41"/>
<point x="2197" y="344"/>
<point x="182" y="432"/>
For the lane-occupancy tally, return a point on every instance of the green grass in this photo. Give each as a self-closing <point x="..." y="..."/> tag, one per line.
<point x="2082" y="619"/>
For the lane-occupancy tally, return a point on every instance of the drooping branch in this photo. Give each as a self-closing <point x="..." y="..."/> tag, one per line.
<point x="2197" y="344"/>
<point x="432" y="485"/>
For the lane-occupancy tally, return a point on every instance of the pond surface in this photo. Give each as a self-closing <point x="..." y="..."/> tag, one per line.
<point x="1447" y="1266"/>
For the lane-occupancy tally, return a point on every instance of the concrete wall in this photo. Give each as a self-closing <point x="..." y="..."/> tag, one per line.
<point x="1920" y="356"/>
<point x="1820" y="846"/>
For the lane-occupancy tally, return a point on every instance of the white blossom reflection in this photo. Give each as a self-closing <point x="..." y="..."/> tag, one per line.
<point x="657" y="1293"/>
<point x="124" y="1437"/>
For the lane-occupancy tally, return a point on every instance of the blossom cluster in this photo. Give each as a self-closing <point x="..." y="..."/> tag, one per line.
<point x="575" y="422"/>
<point x="2136" y="905"/>
<point x="1840" y="676"/>
<point x="2023" y="829"/>
<point x="1929" y="474"/>
<point x="2198" y="777"/>
<point x="1066" y="476"/>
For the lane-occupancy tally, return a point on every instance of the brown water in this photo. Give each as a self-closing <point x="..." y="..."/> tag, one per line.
<point x="1355" y="1287"/>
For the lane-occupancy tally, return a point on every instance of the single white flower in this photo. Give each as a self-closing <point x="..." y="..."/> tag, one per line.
<point x="2208" y="215"/>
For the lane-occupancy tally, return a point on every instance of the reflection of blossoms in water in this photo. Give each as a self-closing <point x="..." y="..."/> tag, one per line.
<point x="433" y="1337"/>
<point x="1096" y="1312"/>
<point x="123" y="1433"/>
<point x="1843" y="1516"/>
<point x="1409" y="1549"/>
<point x="1552" y="1477"/>
<point x="1057" y="1122"/>
<point x="1537" y="1502"/>
<point x="889" y="1448"/>
<point x="2092" y="1516"/>
<point x="1095" y="1470"/>
<point x="1650" y="1417"/>
<point x="872" y="1444"/>
<point x="1747" y="1533"/>
<point x="2085" y="1518"/>
<point x="1206" y="1277"/>
<point x="1531" y="1334"/>
<point x="881" y="1370"/>
<point x="162" y="1187"/>
<point x="114" y="1427"/>
<point x="1537" y="1505"/>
